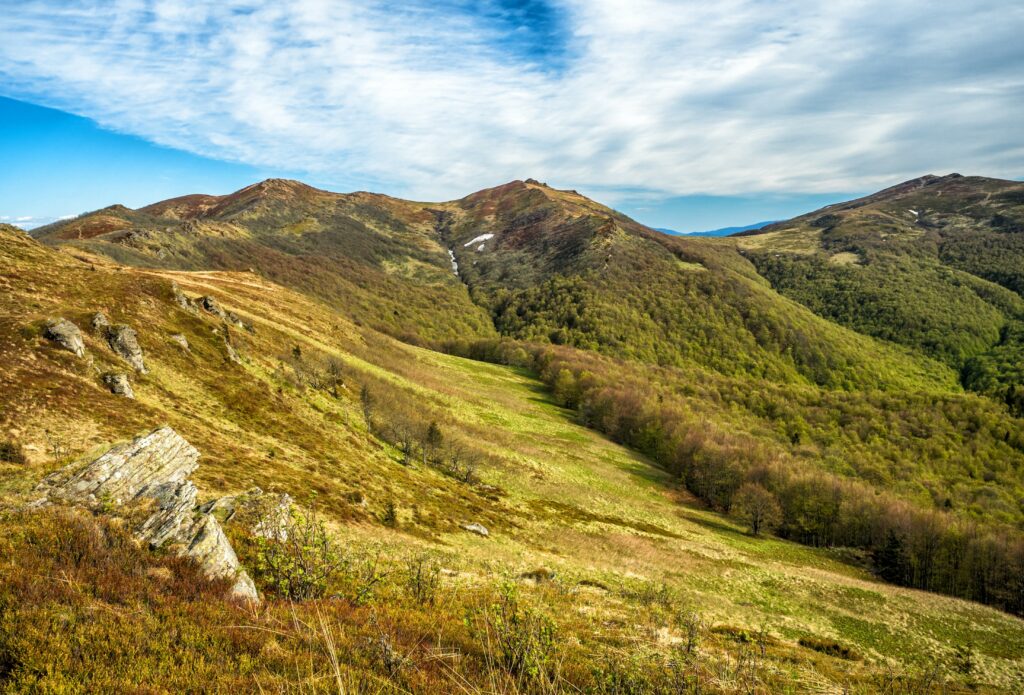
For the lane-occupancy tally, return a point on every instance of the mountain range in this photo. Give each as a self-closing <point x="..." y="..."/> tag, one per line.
<point x="799" y="448"/>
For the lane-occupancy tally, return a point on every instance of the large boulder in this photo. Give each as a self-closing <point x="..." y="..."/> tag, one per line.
<point x="125" y="342"/>
<point x="153" y="471"/>
<point x="66" y="335"/>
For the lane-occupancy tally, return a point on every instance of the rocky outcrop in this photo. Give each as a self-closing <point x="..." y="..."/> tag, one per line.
<point x="181" y="340"/>
<point x="118" y="384"/>
<point x="153" y="471"/>
<point x="66" y="335"/>
<point x="125" y="342"/>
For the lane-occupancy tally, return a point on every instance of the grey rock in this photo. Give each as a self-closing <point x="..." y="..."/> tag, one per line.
<point x="66" y="335"/>
<point x="118" y="384"/>
<point x="232" y="353"/>
<point x="478" y="529"/>
<point x="210" y="305"/>
<point x="100" y="323"/>
<point x="154" y="469"/>
<point x="181" y="340"/>
<point x="125" y="342"/>
<point x="181" y="299"/>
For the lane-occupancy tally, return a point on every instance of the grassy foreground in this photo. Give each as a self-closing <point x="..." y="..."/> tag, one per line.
<point x="598" y="572"/>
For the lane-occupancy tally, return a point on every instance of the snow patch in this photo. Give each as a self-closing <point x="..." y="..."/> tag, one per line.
<point x="477" y="240"/>
<point x="455" y="264"/>
<point x="915" y="213"/>
<point x="480" y="247"/>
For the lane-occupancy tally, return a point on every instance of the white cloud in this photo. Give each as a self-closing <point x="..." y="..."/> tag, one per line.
<point x="671" y="98"/>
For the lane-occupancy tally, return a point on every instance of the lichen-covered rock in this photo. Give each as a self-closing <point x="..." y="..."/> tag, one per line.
<point x="66" y="335"/>
<point x="154" y="469"/>
<point x="118" y="384"/>
<point x="181" y="340"/>
<point x="478" y="529"/>
<point x="125" y="472"/>
<point x="100" y="323"/>
<point x="125" y="342"/>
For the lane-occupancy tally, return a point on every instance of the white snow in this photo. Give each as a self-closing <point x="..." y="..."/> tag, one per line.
<point x="915" y="213"/>
<point x="477" y="240"/>
<point x="480" y="247"/>
<point x="455" y="264"/>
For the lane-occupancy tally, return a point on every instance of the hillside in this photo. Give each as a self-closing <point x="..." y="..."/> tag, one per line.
<point x="648" y="586"/>
<point x="375" y="258"/>
<point x="934" y="264"/>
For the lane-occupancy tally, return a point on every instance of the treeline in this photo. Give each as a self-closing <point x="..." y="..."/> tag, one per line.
<point x="931" y="549"/>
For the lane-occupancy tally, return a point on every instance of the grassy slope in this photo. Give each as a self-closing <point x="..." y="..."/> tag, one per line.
<point x="571" y="500"/>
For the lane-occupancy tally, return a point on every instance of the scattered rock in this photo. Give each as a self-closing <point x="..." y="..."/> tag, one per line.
<point x="125" y="342"/>
<point x="181" y="299"/>
<point x="235" y="319"/>
<point x="118" y="384"/>
<point x="100" y="323"/>
<point x="154" y="469"/>
<point x="66" y="335"/>
<point x="210" y="305"/>
<point x="478" y="529"/>
<point x="232" y="353"/>
<point x="181" y="340"/>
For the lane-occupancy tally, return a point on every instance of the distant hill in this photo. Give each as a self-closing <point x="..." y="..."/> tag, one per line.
<point x="724" y="231"/>
<point x="936" y="263"/>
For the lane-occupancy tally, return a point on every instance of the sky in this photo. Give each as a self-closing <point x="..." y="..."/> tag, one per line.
<point x="687" y="115"/>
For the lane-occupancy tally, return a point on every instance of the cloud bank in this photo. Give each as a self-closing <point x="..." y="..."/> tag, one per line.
<point x="622" y="97"/>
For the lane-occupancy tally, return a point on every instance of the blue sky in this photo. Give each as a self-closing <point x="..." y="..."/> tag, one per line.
<point x="684" y="114"/>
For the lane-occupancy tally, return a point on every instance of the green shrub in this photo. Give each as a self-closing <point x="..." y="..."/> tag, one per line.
<point x="830" y="647"/>
<point x="11" y="452"/>
<point x="298" y="559"/>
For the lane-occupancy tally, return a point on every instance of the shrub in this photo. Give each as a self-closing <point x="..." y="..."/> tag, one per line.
<point x="300" y="559"/>
<point x="517" y="638"/>
<point x="422" y="579"/>
<point x="11" y="452"/>
<point x="830" y="647"/>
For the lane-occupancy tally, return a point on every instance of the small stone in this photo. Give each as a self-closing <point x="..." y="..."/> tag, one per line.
<point x="66" y="335"/>
<point x="100" y="323"/>
<point x="478" y="529"/>
<point x="125" y="342"/>
<point x="118" y="384"/>
<point x="181" y="340"/>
